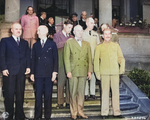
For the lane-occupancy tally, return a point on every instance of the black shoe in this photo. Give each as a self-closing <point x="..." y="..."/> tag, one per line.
<point x="104" y="117"/>
<point x="59" y="106"/>
<point x="67" y="105"/>
<point x="86" y="97"/>
<point x="119" y="116"/>
<point x="93" y="97"/>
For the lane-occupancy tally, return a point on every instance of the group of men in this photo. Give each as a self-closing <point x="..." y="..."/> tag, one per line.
<point x="74" y="59"/>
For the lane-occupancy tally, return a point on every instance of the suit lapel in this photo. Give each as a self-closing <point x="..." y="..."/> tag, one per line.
<point x="83" y="48"/>
<point x="63" y="37"/>
<point x="45" y="46"/>
<point x="76" y="44"/>
<point x="14" y="42"/>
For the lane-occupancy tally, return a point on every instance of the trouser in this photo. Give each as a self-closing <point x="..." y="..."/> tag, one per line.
<point x="31" y="41"/>
<point x="77" y="90"/>
<point x="92" y="86"/>
<point x="14" y="85"/>
<point x="62" y="81"/>
<point x="43" y="85"/>
<point x="107" y="82"/>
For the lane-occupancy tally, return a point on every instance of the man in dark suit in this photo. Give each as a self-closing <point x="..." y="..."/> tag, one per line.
<point x="15" y="64"/>
<point x="73" y="18"/>
<point x="42" y="19"/>
<point x="82" y="22"/>
<point x="44" y="68"/>
<point x="51" y="28"/>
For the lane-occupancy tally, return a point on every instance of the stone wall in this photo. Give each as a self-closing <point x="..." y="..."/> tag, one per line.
<point x="136" y="50"/>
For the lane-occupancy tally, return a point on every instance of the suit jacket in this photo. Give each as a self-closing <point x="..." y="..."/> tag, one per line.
<point x="60" y="40"/>
<point x="42" y="22"/>
<point x="51" y="29"/>
<point x="83" y="24"/>
<point x="108" y="57"/>
<point x="29" y="25"/>
<point x="13" y="57"/>
<point x="93" y="39"/>
<point x="44" y="60"/>
<point x="78" y="60"/>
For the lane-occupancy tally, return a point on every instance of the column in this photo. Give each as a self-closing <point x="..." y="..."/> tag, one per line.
<point x="12" y="10"/>
<point x="105" y="12"/>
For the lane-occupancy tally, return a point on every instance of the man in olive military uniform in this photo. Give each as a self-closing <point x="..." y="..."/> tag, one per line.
<point x="108" y="57"/>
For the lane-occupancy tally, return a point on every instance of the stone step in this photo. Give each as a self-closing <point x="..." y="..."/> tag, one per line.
<point x="129" y="108"/>
<point x="122" y="90"/>
<point x="125" y="98"/>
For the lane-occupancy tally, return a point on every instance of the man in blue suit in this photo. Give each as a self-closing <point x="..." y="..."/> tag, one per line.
<point x="44" y="69"/>
<point x="15" y="64"/>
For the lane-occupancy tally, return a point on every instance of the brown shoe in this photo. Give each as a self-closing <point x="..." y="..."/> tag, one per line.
<point x="74" y="117"/>
<point x="82" y="115"/>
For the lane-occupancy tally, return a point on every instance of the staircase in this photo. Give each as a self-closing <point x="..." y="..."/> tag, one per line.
<point x="130" y="106"/>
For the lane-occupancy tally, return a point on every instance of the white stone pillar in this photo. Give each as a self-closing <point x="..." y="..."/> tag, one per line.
<point x="12" y="10"/>
<point x="105" y="12"/>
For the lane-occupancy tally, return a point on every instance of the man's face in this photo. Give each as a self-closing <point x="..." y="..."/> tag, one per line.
<point x="68" y="28"/>
<point x="107" y="35"/>
<point x="78" y="31"/>
<point x="42" y="31"/>
<point x="51" y="21"/>
<point x="30" y="11"/>
<point x="90" y="24"/>
<point x="44" y="16"/>
<point x="16" y="30"/>
<point x="74" y="18"/>
<point x="83" y="15"/>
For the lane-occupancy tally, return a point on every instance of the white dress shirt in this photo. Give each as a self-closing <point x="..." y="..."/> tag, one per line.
<point x="15" y="38"/>
<point x="79" y="42"/>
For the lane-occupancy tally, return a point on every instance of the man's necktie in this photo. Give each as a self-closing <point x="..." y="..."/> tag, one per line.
<point x="42" y="43"/>
<point x="17" y="41"/>
<point x="90" y="33"/>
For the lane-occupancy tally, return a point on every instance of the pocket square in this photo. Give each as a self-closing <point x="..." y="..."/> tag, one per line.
<point x="49" y="48"/>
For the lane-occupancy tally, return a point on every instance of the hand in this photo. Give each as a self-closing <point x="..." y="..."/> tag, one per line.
<point x="89" y="76"/>
<point x="27" y="71"/>
<point x="54" y="76"/>
<point x="32" y="77"/>
<point x="5" y="72"/>
<point x="69" y="75"/>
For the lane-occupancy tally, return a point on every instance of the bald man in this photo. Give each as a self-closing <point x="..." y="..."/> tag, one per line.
<point x="93" y="38"/>
<point x="44" y="69"/>
<point x="15" y="64"/>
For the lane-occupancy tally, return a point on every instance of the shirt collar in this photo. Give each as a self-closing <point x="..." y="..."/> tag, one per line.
<point x="49" y="24"/>
<point x="84" y="20"/>
<point x="65" y="34"/>
<point x="15" y="38"/>
<point x="77" y="39"/>
<point x="44" y="40"/>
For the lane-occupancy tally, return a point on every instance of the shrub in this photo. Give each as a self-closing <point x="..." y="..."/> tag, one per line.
<point x="142" y="79"/>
